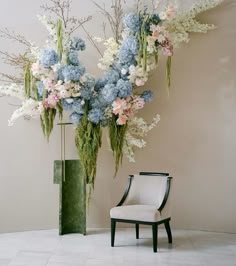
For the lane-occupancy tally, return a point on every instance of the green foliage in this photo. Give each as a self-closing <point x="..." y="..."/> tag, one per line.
<point x="117" y="136"/>
<point x="27" y="80"/>
<point x="88" y="142"/>
<point x="59" y="31"/>
<point x="47" y="120"/>
<point x="168" y="72"/>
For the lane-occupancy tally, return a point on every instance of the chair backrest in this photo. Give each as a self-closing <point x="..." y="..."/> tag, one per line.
<point x="148" y="188"/>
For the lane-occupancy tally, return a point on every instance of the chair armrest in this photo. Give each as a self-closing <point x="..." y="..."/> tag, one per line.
<point x="154" y="173"/>
<point x="166" y="194"/>
<point x="126" y="191"/>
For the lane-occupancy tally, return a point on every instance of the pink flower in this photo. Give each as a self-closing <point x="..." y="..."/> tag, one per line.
<point x="35" y="68"/>
<point x="138" y="103"/>
<point x="48" y="84"/>
<point x="122" y="120"/>
<point x="170" y="11"/>
<point x="51" y="101"/>
<point x="119" y="105"/>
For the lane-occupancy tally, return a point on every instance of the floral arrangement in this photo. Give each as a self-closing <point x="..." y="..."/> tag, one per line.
<point x="129" y="58"/>
<point x="54" y="80"/>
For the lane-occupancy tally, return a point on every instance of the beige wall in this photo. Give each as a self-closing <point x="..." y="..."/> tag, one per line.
<point x="195" y="140"/>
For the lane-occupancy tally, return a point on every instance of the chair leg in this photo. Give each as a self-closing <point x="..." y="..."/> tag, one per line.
<point x="137" y="230"/>
<point x="168" y="230"/>
<point x="154" y="236"/>
<point x="113" y="231"/>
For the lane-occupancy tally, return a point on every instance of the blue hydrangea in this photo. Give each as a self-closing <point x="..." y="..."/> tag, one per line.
<point x="131" y="43"/>
<point x="71" y="72"/>
<point x="128" y="51"/>
<point x="75" y="118"/>
<point x="132" y="22"/>
<point x="73" y="58"/>
<point x="86" y="93"/>
<point x="97" y="102"/>
<point x="112" y="76"/>
<point x="40" y="87"/>
<point x="109" y="93"/>
<point x="100" y="83"/>
<point x="95" y="115"/>
<point x="76" y="43"/>
<point x="48" y="57"/>
<point x="147" y="95"/>
<point x="124" y="88"/>
<point x="90" y="81"/>
<point x="67" y="104"/>
<point x="59" y="74"/>
<point x="77" y="106"/>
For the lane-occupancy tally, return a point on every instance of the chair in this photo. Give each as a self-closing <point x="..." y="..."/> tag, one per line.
<point x="146" y="201"/>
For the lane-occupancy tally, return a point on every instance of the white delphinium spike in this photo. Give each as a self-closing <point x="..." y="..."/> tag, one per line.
<point x="13" y="90"/>
<point x="30" y="108"/>
<point x="136" y="131"/>
<point x="109" y="54"/>
<point x="184" y="23"/>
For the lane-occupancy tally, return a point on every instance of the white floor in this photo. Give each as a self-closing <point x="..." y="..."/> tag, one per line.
<point x="47" y="248"/>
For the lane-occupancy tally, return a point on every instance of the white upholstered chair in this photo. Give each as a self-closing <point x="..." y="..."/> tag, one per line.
<point x="146" y="200"/>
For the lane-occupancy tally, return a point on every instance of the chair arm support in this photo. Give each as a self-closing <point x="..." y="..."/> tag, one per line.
<point x="166" y="194"/>
<point x="126" y="191"/>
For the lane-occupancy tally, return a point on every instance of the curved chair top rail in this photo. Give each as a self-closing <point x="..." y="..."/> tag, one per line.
<point x="152" y="174"/>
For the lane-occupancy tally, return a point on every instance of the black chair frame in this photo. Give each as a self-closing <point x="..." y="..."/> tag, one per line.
<point x="154" y="225"/>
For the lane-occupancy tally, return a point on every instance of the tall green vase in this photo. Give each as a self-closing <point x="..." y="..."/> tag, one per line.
<point x="72" y="213"/>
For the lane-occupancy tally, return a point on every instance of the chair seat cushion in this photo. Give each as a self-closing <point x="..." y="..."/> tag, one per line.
<point x="145" y="213"/>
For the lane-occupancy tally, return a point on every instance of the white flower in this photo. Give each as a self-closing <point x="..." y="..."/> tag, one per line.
<point x="123" y="71"/>
<point x="137" y="75"/>
<point x="109" y="54"/>
<point x="137" y="129"/>
<point x="163" y="15"/>
<point x="13" y="89"/>
<point x="98" y="39"/>
<point x="29" y="107"/>
<point x="50" y="26"/>
<point x="184" y="23"/>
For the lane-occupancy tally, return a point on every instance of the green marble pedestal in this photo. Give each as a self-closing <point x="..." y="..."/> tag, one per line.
<point x="72" y="213"/>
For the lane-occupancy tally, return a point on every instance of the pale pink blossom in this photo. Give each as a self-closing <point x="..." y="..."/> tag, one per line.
<point x="48" y="83"/>
<point x="138" y="103"/>
<point x="139" y="82"/>
<point x="51" y="101"/>
<point x="122" y="120"/>
<point x="119" y="105"/>
<point x="35" y="68"/>
<point x="170" y="11"/>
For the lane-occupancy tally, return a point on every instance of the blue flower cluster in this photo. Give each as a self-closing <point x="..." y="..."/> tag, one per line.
<point x="147" y="95"/>
<point x="128" y="50"/>
<point x="124" y="88"/>
<point x="73" y="58"/>
<point x="77" y="44"/>
<point x="109" y="93"/>
<point x="132" y="22"/>
<point x="95" y="115"/>
<point x="48" y="57"/>
<point x="75" y="118"/>
<point x="73" y="104"/>
<point x="70" y="72"/>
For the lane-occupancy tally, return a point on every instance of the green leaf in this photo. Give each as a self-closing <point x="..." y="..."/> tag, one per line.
<point x="117" y="137"/>
<point x="59" y="32"/>
<point x="168" y="73"/>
